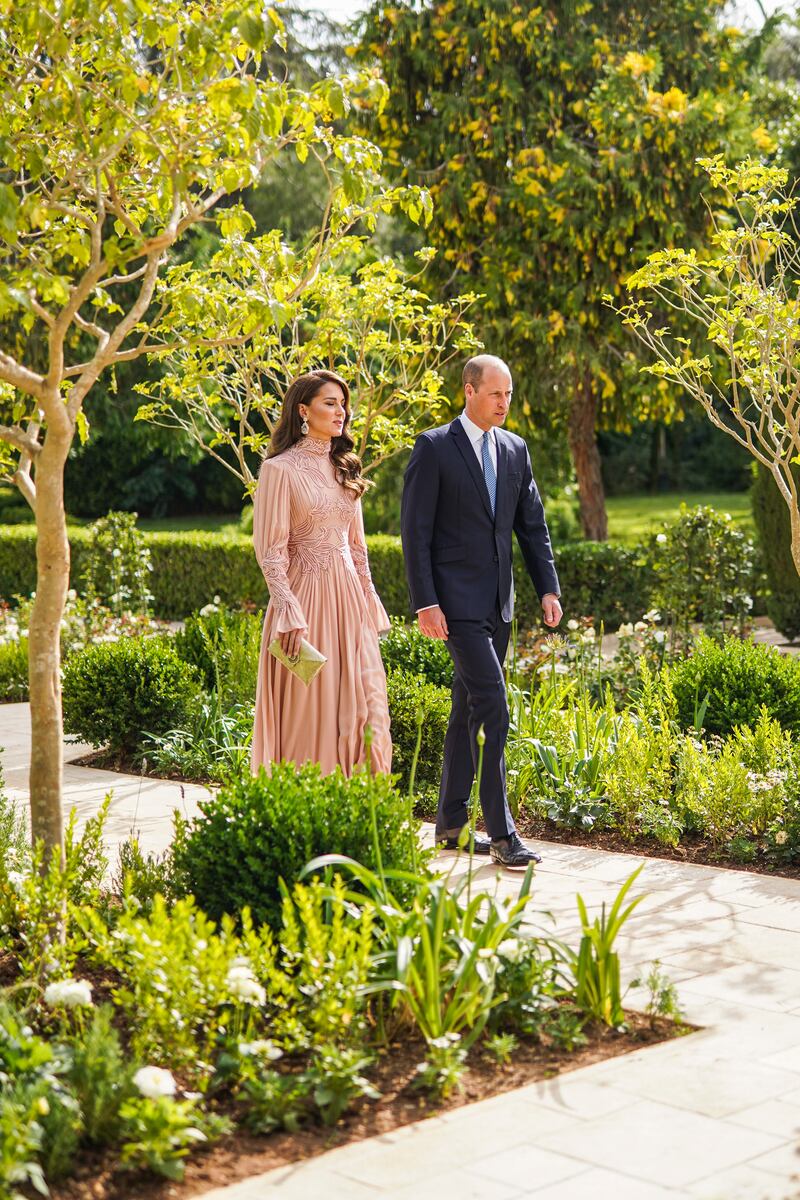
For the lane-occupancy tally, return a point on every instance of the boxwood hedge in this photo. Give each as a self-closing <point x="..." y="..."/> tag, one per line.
<point x="608" y="582"/>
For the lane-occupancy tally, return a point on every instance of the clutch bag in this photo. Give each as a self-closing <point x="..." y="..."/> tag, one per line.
<point x="305" y="665"/>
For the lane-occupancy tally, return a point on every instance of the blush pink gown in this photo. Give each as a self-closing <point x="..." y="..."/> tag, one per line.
<point x="308" y="532"/>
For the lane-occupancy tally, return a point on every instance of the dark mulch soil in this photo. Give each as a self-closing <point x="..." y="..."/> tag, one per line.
<point x="697" y="850"/>
<point x="241" y="1154"/>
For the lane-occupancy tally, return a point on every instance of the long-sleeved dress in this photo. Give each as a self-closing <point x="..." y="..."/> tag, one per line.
<point x="308" y="532"/>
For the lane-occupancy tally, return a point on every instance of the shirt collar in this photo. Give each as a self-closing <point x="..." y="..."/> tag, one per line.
<point x="473" y="431"/>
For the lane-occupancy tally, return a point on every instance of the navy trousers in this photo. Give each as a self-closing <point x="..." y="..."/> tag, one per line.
<point x="478" y="649"/>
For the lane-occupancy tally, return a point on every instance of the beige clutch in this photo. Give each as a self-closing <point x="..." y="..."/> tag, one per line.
<point x="305" y="665"/>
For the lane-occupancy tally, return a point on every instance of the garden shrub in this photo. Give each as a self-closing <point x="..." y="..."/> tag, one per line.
<point x="771" y="516"/>
<point x="261" y="829"/>
<point x="114" y="692"/>
<point x="116" y="565"/>
<point x="410" y="695"/>
<point x="404" y="648"/>
<point x="14" y="671"/>
<point x="704" y="570"/>
<point x="739" y="678"/>
<point x="225" y="648"/>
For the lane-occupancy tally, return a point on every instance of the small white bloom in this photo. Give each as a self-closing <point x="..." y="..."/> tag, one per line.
<point x="625" y="630"/>
<point x="248" y="990"/>
<point x="260" y="1049"/>
<point x="69" y="993"/>
<point x="154" y="1082"/>
<point x="487" y="952"/>
<point x="640" y="627"/>
<point x="116" y="553"/>
<point x="511" y="948"/>
<point x="16" y="879"/>
<point x="589" y="637"/>
<point x="572" y="625"/>
<point x="661" y="538"/>
<point x="653" y="616"/>
<point x="781" y="837"/>
<point x="659" y="635"/>
<point x="72" y="594"/>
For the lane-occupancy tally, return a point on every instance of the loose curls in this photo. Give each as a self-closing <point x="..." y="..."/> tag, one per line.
<point x="287" y="432"/>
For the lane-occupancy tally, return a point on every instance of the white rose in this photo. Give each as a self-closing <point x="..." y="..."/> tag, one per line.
<point x="69" y="993"/>
<point x="153" y="1082"/>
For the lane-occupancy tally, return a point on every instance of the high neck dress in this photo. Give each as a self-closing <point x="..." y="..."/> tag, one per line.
<point x="308" y="532"/>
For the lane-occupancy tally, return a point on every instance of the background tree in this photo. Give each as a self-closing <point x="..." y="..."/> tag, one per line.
<point x="560" y="144"/>
<point x="124" y="124"/>
<point x="740" y="295"/>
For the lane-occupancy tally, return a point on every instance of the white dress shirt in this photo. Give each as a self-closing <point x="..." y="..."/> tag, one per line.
<point x="475" y="435"/>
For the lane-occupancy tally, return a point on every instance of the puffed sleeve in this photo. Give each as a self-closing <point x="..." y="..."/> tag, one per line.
<point x="358" y="550"/>
<point x="271" y="508"/>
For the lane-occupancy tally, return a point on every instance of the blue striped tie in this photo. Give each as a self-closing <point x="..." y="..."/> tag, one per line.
<point x="488" y="470"/>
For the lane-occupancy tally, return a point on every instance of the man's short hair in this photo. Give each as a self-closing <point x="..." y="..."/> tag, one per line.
<point x="474" y="368"/>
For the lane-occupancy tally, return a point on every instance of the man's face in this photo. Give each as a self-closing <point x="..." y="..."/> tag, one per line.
<point x="488" y="403"/>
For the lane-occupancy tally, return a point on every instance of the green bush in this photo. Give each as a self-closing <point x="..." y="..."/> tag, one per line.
<point x="260" y="829"/>
<point x="224" y="646"/>
<point x="408" y="695"/>
<point x="14" y="671"/>
<point x="740" y="678"/>
<point x="114" y="692"/>
<point x="771" y="516"/>
<point x="704" y="570"/>
<point x="404" y="648"/>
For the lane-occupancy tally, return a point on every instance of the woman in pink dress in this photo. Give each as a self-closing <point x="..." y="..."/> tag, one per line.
<point x="308" y="531"/>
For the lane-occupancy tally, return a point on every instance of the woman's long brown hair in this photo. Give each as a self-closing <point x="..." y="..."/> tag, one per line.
<point x="287" y="432"/>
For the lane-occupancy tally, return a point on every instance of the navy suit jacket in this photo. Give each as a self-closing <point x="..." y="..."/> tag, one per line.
<point x="458" y="555"/>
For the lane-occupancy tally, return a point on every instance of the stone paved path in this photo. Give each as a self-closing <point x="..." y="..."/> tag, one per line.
<point x="713" y="1116"/>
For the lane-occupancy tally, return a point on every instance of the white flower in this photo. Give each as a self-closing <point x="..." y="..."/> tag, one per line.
<point x="640" y="627"/>
<point x="243" y="984"/>
<point x="512" y="948"/>
<point x="69" y="993"/>
<point x="654" y="616"/>
<point x="661" y="538"/>
<point x="116" y="552"/>
<point x="153" y="1082"/>
<point x="589" y="637"/>
<point x="260" y="1049"/>
<point x="572" y="625"/>
<point x="487" y="952"/>
<point x="16" y="879"/>
<point x="625" y="630"/>
<point x="72" y="594"/>
<point x="208" y="609"/>
<point x="659" y="635"/>
<point x="781" y="837"/>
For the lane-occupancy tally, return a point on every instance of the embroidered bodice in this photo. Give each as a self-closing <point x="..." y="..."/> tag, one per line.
<point x="306" y="523"/>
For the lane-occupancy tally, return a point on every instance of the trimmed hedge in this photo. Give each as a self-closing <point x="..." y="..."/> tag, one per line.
<point x="608" y="582"/>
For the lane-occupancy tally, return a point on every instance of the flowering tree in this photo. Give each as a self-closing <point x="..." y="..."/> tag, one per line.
<point x="741" y="361"/>
<point x="125" y="123"/>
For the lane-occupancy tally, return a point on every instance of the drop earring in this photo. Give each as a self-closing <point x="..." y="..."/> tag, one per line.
<point x="304" y="427"/>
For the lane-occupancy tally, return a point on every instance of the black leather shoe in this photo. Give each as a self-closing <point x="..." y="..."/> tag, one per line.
<point x="512" y="852"/>
<point x="482" y="845"/>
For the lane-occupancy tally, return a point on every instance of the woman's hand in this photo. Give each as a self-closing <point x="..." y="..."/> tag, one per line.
<point x="290" y="641"/>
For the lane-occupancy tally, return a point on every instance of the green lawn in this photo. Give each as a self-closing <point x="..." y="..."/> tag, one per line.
<point x="632" y="518"/>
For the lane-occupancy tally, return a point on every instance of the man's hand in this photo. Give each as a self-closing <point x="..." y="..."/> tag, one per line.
<point x="290" y="641"/>
<point x="551" y="609"/>
<point x="433" y="623"/>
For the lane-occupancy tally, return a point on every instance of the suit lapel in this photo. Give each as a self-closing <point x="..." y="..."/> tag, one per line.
<point x="473" y="466"/>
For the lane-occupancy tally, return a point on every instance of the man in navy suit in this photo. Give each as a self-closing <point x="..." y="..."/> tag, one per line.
<point x="467" y="486"/>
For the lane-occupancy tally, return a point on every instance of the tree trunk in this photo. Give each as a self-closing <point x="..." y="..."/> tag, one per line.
<point x="586" y="460"/>
<point x="44" y="639"/>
